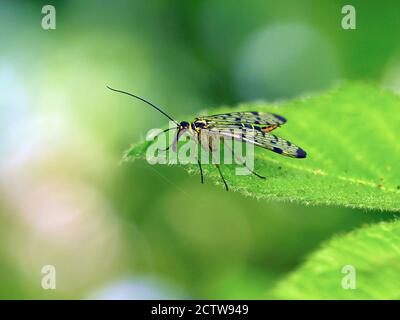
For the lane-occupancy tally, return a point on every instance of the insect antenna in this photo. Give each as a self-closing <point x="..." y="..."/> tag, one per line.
<point x="146" y="101"/>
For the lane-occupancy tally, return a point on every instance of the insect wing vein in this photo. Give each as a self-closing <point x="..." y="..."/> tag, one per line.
<point x="258" y="138"/>
<point x="248" y="117"/>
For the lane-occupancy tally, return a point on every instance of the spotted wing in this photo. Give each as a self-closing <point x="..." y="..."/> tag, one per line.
<point x="258" y="138"/>
<point x="247" y="117"/>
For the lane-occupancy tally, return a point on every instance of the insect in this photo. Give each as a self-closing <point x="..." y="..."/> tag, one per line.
<point x="258" y="124"/>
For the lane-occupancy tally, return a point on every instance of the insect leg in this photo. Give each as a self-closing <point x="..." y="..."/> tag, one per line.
<point x="219" y="170"/>
<point x="164" y="131"/>
<point x="201" y="171"/>
<point x="239" y="159"/>
<point x="167" y="148"/>
<point x="198" y="159"/>
<point x="174" y="142"/>
<point x="222" y="177"/>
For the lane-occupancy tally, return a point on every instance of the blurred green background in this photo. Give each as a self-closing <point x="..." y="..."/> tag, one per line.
<point x="138" y="231"/>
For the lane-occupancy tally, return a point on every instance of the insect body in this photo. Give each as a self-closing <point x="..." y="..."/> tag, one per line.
<point x="250" y="127"/>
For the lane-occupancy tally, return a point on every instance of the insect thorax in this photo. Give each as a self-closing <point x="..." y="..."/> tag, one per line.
<point x="198" y="124"/>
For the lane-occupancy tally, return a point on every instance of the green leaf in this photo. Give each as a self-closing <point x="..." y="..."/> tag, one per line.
<point x="372" y="251"/>
<point x="353" y="151"/>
